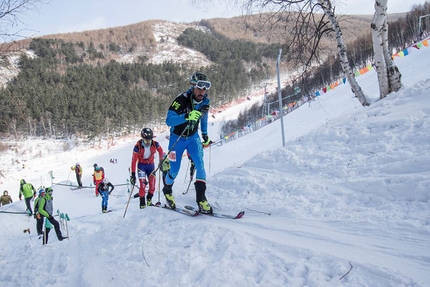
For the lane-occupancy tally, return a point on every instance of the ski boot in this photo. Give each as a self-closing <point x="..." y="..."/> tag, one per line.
<point x="167" y="190"/>
<point x="202" y="202"/>
<point x="149" y="199"/>
<point x="142" y="202"/>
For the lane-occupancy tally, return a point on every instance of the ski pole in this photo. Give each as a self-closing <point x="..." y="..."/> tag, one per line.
<point x="129" y="197"/>
<point x="210" y="153"/>
<point x="67" y="227"/>
<point x="188" y="165"/>
<point x="192" y="169"/>
<point x="68" y="176"/>
<point x="159" y="180"/>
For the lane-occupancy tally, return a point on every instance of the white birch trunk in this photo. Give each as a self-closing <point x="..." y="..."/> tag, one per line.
<point x="389" y="77"/>
<point x="341" y="48"/>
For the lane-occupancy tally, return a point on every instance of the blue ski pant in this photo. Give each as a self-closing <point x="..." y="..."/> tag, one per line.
<point x="105" y="198"/>
<point x="194" y="147"/>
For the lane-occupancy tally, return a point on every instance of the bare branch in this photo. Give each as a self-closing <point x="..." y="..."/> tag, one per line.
<point x="11" y="13"/>
<point x="346" y="272"/>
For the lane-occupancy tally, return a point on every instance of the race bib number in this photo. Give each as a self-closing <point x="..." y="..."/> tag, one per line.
<point x="172" y="156"/>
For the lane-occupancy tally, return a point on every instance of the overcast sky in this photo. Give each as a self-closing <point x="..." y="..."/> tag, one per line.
<point x="80" y="15"/>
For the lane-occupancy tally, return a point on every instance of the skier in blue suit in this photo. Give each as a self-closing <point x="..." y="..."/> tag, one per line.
<point x="183" y="117"/>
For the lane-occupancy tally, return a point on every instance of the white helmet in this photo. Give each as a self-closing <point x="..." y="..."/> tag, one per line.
<point x="105" y="180"/>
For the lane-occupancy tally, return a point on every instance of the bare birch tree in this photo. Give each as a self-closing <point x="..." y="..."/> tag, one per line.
<point x="389" y="76"/>
<point x="307" y="23"/>
<point x="328" y="9"/>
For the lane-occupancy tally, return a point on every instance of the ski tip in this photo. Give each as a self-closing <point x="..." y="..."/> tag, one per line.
<point x="240" y="214"/>
<point x="196" y="212"/>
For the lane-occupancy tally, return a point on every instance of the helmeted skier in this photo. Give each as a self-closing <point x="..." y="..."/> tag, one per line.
<point x="143" y="156"/>
<point x="183" y="117"/>
<point x="98" y="177"/>
<point x="105" y="189"/>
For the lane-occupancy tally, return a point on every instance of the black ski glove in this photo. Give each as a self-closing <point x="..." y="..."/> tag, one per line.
<point x="133" y="178"/>
<point x="206" y="141"/>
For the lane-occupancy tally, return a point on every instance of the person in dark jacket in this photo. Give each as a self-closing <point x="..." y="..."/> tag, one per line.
<point x="105" y="189"/>
<point x="5" y="198"/>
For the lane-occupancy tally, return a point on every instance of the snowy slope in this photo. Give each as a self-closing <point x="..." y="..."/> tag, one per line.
<point x="350" y="187"/>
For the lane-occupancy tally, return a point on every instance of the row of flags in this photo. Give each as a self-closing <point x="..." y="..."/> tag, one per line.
<point x="332" y="86"/>
<point x="403" y="53"/>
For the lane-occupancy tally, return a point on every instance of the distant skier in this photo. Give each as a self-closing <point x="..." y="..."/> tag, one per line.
<point x="5" y="198"/>
<point x="46" y="209"/>
<point x="96" y="165"/>
<point x="143" y="156"/>
<point x="104" y="191"/>
<point x="98" y="177"/>
<point x="78" y="171"/>
<point x="39" y="218"/>
<point x="28" y="190"/>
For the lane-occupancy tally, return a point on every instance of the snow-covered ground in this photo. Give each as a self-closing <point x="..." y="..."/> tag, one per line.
<point x="351" y="186"/>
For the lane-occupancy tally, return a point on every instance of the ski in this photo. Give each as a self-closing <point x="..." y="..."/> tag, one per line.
<point x="14" y="212"/>
<point x="77" y="187"/>
<point x="107" y="211"/>
<point x="182" y="210"/>
<point x="217" y="214"/>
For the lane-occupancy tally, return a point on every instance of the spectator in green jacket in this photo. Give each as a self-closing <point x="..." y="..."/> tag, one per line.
<point x="37" y="216"/>
<point x="46" y="208"/>
<point x="28" y="190"/>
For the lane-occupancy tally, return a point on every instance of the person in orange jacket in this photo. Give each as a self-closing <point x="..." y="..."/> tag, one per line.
<point x="98" y="177"/>
<point x="143" y="157"/>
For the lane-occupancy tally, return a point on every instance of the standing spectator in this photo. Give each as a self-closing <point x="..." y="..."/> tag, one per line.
<point x="28" y="190"/>
<point x="39" y="218"/>
<point x="104" y="191"/>
<point x="98" y="177"/>
<point x="143" y="156"/>
<point x="188" y="110"/>
<point x="78" y="171"/>
<point x="5" y="198"/>
<point x="46" y="209"/>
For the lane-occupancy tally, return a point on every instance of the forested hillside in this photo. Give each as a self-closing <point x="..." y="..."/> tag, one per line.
<point x="111" y="81"/>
